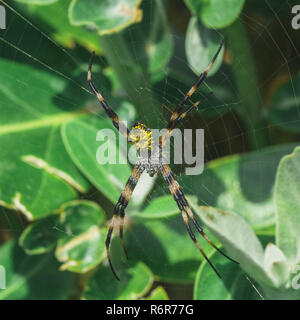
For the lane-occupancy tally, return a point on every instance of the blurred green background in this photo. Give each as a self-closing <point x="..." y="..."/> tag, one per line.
<point x="56" y="200"/>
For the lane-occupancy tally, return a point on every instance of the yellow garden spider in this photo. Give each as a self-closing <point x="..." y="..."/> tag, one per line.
<point x="153" y="162"/>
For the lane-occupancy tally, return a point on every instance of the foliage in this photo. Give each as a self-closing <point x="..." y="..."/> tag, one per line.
<point x="273" y="268"/>
<point x="57" y="200"/>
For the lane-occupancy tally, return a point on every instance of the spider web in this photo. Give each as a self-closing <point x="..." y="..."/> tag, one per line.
<point x="232" y="136"/>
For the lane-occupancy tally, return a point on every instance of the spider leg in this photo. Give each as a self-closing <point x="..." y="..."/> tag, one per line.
<point x="108" y="237"/>
<point x="121" y="205"/>
<point x="189" y="110"/>
<point x="164" y="137"/>
<point x="119" y="125"/>
<point x="192" y="235"/>
<point x="168" y="176"/>
<point x="177" y="116"/>
<point x="201" y="78"/>
<point x="188" y="209"/>
<point x="122" y="215"/>
<point x="185" y="208"/>
<point x="200" y="230"/>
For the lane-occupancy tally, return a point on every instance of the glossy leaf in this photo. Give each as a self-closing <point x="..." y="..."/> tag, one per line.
<point x="37" y="48"/>
<point x="216" y="14"/>
<point x="284" y="109"/>
<point x="32" y="277"/>
<point x="153" y="39"/>
<point x="234" y="285"/>
<point x="158" y="293"/>
<point x="82" y="246"/>
<point x="162" y="207"/>
<point x="281" y="294"/>
<point x="79" y="215"/>
<point x="82" y="252"/>
<point x="77" y="232"/>
<point x="105" y="16"/>
<point x="287" y="202"/>
<point x="44" y="175"/>
<point x="134" y="283"/>
<point x="159" y="52"/>
<point x="276" y="265"/>
<point x="41" y="236"/>
<point x="241" y="183"/>
<point x="39" y="2"/>
<point x="61" y="29"/>
<point x="165" y="247"/>
<point x="238" y="238"/>
<point x="201" y="44"/>
<point x="81" y="144"/>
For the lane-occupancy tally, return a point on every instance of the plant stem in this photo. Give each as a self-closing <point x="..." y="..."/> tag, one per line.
<point x="247" y="83"/>
<point x="132" y="77"/>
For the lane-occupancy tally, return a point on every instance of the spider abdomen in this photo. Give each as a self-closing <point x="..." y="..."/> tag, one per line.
<point x="151" y="162"/>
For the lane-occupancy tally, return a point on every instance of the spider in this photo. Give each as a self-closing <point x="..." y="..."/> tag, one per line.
<point x="150" y="159"/>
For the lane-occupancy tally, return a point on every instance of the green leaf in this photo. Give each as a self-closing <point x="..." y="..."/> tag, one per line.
<point x="77" y="232"/>
<point x="165" y="247"/>
<point x="216" y="14"/>
<point x="287" y="201"/>
<point x="241" y="183"/>
<point x="39" y="2"/>
<point x="81" y="253"/>
<point x="158" y="293"/>
<point x="61" y="30"/>
<point x="234" y="284"/>
<point x="43" y="174"/>
<point x="237" y="237"/>
<point x="284" y="107"/>
<point x="41" y="236"/>
<point x="79" y="215"/>
<point x="82" y="246"/>
<point x="134" y="283"/>
<point x="105" y="16"/>
<point x="81" y="144"/>
<point x="280" y="294"/>
<point x="159" y="208"/>
<point x="32" y="277"/>
<point x="159" y="51"/>
<point x="276" y="265"/>
<point x="201" y="44"/>
<point x="155" y="41"/>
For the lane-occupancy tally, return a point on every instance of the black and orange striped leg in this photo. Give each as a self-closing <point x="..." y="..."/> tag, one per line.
<point x="121" y="206"/>
<point x="200" y="230"/>
<point x="189" y="110"/>
<point x="188" y="209"/>
<point x="122" y="216"/>
<point x="108" y="237"/>
<point x="185" y="209"/>
<point x="112" y="115"/>
<point x="164" y="137"/>
<point x="201" y="78"/>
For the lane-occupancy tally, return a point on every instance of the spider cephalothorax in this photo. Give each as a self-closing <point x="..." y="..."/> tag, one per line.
<point x="140" y="136"/>
<point x="150" y="159"/>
